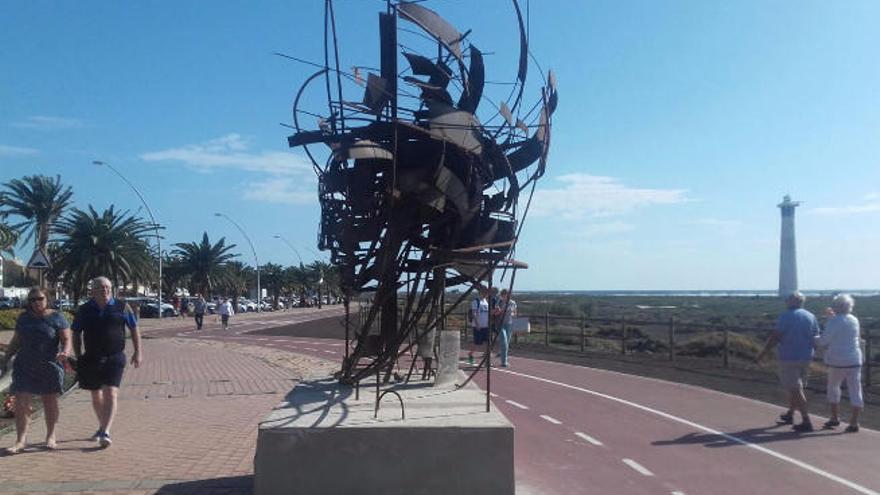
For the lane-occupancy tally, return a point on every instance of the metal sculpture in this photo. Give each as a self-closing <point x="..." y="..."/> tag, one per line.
<point x="417" y="194"/>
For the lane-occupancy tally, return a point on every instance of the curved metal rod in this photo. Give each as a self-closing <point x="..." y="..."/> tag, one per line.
<point x="336" y="61"/>
<point x="379" y="401"/>
<point x="296" y="119"/>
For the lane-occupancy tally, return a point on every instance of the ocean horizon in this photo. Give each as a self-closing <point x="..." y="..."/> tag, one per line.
<point x="702" y="293"/>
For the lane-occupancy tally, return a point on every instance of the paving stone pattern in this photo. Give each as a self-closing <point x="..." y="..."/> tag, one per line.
<point x="187" y="423"/>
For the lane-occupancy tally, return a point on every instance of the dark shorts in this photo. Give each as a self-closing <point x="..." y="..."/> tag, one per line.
<point x="481" y="335"/>
<point x="94" y="372"/>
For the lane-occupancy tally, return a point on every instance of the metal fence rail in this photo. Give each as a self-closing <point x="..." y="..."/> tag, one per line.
<point x="632" y="335"/>
<point x="670" y="337"/>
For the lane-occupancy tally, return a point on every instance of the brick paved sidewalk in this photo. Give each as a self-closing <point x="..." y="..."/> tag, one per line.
<point x="187" y="423"/>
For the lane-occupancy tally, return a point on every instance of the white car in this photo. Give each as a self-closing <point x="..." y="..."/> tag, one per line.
<point x="148" y="310"/>
<point x="245" y="305"/>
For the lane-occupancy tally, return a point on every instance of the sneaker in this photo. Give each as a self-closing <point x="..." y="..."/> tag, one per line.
<point x="786" y="419"/>
<point x="852" y="429"/>
<point x="105" y="440"/>
<point x="804" y="427"/>
<point x="831" y="424"/>
<point x="97" y="436"/>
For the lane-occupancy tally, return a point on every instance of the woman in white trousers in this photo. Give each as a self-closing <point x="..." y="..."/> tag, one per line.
<point x="842" y="341"/>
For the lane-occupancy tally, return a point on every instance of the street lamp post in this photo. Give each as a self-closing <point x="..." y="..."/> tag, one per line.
<point x="291" y="247"/>
<point x="256" y="260"/>
<point x="155" y="226"/>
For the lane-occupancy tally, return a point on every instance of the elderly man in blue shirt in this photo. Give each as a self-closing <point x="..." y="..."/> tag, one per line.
<point x="99" y="327"/>
<point x="795" y="332"/>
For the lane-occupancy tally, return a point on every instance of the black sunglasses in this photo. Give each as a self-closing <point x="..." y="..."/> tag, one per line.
<point x="35" y="299"/>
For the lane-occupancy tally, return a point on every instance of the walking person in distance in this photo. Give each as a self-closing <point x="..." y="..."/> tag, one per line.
<point x="225" y="311"/>
<point x="506" y="311"/>
<point x="199" y="307"/>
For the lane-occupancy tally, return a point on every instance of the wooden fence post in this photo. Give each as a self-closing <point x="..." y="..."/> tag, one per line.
<point x="726" y="348"/>
<point x="546" y="328"/>
<point x="672" y="338"/>
<point x="623" y="334"/>
<point x="583" y="333"/>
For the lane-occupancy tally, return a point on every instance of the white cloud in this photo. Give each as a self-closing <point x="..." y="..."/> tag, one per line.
<point x="872" y="196"/>
<point x="282" y="190"/>
<point x="594" y="230"/>
<point x="584" y="195"/>
<point x="844" y="210"/>
<point x="48" y="123"/>
<point x="16" y="151"/>
<point x="231" y="152"/>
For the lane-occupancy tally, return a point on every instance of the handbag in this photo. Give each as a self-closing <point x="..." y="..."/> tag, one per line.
<point x="520" y="324"/>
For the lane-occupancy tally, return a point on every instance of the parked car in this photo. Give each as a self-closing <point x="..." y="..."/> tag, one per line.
<point x="246" y="305"/>
<point x="64" y="305"/>
<point x="7" y="303"/>
<point x="148" y="310"/>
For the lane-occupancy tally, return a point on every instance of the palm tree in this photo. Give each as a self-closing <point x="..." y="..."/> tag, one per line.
<point x="112" y="243"/>
<point x="325" y="276"/>
<point x="204" y="263"/>
<point x="173" y="275"/>
<point x="40" y="201"/>
<point x="238" y="279"/>
<point x="8" y="238"/>
<point x="274" y="279"/>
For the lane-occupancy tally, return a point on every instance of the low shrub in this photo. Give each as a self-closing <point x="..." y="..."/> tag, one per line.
<point x="8" y="317"/>
<point x="712" y="344"/>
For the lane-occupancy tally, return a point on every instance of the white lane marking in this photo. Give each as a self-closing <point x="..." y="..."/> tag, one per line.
<point x="551" y="419"/>
<point x="310" y="349"/>
<point x="330" y="352"/>
<point x="516" y="404"/>
<point x="677" y="493"/>
<point x="588" y="438"/>
<point x="493" y="394"/>
<point x="638" y="467"/>
<point x="773" y="453"/>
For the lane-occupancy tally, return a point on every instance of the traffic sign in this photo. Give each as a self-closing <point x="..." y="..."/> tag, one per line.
<point x="39" y="260"/>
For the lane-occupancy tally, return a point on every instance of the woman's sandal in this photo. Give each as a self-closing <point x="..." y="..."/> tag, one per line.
<point x="852" y="429"/>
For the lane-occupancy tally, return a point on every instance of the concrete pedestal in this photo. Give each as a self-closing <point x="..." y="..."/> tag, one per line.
<point x="324" y="441"/>
<point x="447" y="356"/>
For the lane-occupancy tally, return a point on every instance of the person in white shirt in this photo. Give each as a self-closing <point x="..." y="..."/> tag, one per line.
<point x="843" y="356"/>
<point x="225" y="311"/>
<point x="479" y="322"/>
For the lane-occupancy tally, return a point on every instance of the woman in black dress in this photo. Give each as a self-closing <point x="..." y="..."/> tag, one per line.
<point x="38" y="368"/>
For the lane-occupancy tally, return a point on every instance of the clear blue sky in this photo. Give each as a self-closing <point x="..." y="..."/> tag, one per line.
<point x="681" y="125"/>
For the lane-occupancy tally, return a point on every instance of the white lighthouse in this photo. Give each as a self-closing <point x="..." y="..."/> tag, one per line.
<point x="788" y="282"/>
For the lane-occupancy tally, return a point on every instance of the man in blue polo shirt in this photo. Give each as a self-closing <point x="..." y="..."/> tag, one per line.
<point x="795" y="332"/>
<point x="100" y="326"/>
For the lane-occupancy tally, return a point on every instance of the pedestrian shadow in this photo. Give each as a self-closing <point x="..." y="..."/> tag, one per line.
<point x="232" y="485"/>
<point x="757" y="436"/>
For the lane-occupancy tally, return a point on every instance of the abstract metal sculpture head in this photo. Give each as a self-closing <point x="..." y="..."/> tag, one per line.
<point x="416" y="191"/>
